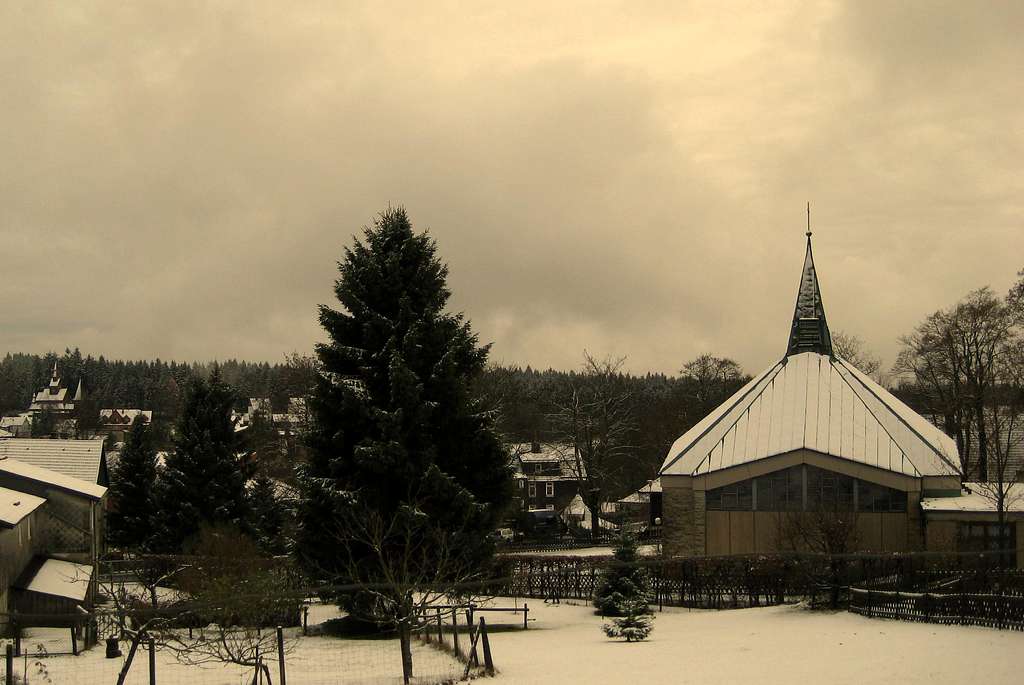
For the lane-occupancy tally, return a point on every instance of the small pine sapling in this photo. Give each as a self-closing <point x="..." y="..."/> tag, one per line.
<point x="635" y="624"/>
<point x="624" y="582"/>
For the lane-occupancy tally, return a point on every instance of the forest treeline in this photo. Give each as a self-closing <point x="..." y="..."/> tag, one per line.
<point x="525" y="401"/>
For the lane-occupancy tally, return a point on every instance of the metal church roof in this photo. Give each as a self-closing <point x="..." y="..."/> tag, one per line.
<point x="816" y="402"/>
<point x="813" y="400"/>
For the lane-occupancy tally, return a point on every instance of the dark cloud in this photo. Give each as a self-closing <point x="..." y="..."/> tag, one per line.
<point x="182" y="177"/>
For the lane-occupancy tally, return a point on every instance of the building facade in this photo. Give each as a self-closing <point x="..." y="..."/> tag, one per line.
<point x="809" y="447"/>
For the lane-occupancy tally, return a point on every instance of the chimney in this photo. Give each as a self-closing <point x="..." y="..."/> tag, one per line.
<point x="534" y="447"/>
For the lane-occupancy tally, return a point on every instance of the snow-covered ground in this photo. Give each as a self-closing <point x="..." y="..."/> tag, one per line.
<point x="564" y="644"/>
<point x="602" y="551"/>
<point x="310" y="660"/>
<point x="783" y="645"/>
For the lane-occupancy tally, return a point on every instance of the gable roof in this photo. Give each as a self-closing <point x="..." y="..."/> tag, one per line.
<point x="816" y="402"/>
<point x="45" y="477"/>
<point x="16" y="505"/>
<point x="81" y="459"/>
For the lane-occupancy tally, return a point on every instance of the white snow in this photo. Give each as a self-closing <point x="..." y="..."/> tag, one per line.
<point x="61" y="579"/>
<point x="16" y="505"/>
<point x="564" y="644"/>
<point x="599" y="551"/>
<point x="783" y="645"/>
<point x="310" y="661"/>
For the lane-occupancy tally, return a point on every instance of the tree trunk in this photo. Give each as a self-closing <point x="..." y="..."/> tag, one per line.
<point x="979" y="412"/>
<point x="405" y="637"/>
<point x="123" y="674"/>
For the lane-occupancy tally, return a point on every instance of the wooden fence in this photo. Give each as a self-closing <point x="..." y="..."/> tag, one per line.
<point x="757" y="580"/>
<point x="956" y="608"/>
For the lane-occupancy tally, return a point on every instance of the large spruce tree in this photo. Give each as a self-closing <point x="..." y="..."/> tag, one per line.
<point x="132" y="490"/>
<point x="202" y="481"/>
<point x="395" y="426"/>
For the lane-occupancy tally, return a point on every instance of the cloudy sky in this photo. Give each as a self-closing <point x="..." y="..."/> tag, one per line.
<point x="179" y="178"/>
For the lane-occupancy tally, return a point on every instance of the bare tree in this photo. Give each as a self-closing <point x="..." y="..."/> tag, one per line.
<point x="399" y="566"/>
<point x="594" y="419"/>
<point x="1004" y="432"/>
<point x="707" y="382"/>
<point x="851" y="348"/>
<point x="822" y="530"/>
<point x="952" y="358"/>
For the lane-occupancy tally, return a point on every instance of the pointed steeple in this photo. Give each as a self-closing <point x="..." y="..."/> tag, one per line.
<point x="810" y="330"/>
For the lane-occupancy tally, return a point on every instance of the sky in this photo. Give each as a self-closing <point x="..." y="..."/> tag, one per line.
<point x="180" y="178"/>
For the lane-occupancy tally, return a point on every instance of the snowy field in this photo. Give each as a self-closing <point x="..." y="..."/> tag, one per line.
<point x="564" y="644"/>
<point x="783" y="645"/>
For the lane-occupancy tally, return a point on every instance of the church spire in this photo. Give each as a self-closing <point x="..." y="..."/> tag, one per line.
<point x="810" y="330"/>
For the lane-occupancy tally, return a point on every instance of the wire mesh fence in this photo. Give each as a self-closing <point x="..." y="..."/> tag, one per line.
<point x="446" y="646"/>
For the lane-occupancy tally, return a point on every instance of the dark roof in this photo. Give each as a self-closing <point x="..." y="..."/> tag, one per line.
<point x="810" y="330"/>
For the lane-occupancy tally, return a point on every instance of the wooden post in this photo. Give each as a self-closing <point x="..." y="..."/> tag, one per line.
<point x="305" y="619"/>
<point x="455" y="631"/>
<point x="9" y="661"/>
<point x="526" y="614"/>
<point x="257" y="677"/>
<point x="152" y="661"/>
<point x="488" y="662"/>
<point x="280" y="656"/>
<point x="440" y="628"/>
<point x="17" y="642"/>
<point x="74" y="642"/>
<point x="473" y="635"/>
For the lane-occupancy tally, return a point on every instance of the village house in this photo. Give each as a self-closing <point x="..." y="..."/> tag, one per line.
<point x="545" y="476"/>
<point x="641" y="508"/>
<point x="117" y="422"/>
<point x="18" y="426"/>
<point x="813" y="434"/>
<point x="52" y="530"/>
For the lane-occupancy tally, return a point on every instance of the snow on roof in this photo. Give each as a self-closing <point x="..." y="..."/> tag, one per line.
<point x="15" y="505"/>
<point x="559" y="453"/>
<point x="60" y="579"/>
<point x="19" y="420"/>
<point x="978" y="498"/>
<point x="4" y="433"/>
<point x="643" y="494"/>
<point x="79" y="459"/>
<point x="816" y="402"/>
<point x="60" y="481"/>
<point x="548" y="451"/>
<point x="576" y="509"/>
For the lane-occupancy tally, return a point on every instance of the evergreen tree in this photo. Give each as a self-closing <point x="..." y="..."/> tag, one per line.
<point x="267" y="516"/>
<point x="635" y="623"/>
<point x="202" y="481"/>
<point x="132" y="490"/>
<point x="395" y="425"/>
<point x="624" y="582"/>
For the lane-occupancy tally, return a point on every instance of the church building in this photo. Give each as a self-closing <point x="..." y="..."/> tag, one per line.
<point x="56" y="398"/>
<point x="813" y="438"/>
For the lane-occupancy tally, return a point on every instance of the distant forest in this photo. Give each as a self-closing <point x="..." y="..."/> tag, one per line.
<point x="156" y="385"/>
<point x="523" y="400"/>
